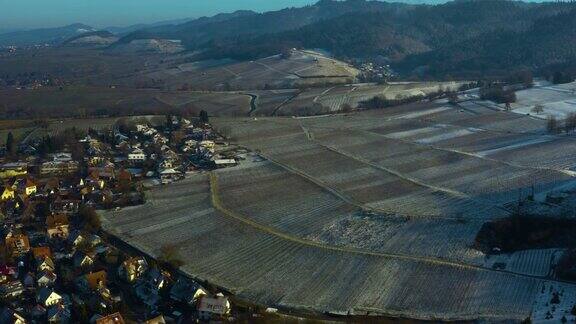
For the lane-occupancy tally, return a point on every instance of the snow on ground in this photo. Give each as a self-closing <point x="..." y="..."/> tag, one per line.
<point x="419" y="114"/>
<point x="446" y="136"/>
<point x="547" y="310"/>
<point x="531" y="262"/>
<point x="539" y="140"/>
<point x="412" y="132"/>
<point x="558" y="100"/>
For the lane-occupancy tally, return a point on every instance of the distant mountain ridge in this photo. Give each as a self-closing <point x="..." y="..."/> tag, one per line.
<point x="201" y="32"/>
<point x="43" y="35"/>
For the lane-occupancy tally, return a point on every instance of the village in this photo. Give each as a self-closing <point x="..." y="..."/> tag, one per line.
<point x="58" y="266"/>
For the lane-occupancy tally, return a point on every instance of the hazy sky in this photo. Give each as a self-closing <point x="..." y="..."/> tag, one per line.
<point x="17" y="14"/>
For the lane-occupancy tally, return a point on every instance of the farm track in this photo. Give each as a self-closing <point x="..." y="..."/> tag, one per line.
<point x="417" y="182"/>
<point x="438" y="148"/>
<point x="482" y="157"/>
<point x="220" y="206"/>
<point x="291" y="98"/>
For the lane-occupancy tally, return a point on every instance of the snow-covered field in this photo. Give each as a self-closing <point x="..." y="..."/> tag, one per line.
<point x="557" y="100"/>
<point x="371" y="212"/>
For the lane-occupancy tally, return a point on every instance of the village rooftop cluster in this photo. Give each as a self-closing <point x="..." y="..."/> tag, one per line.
<point x="57" y="265"/>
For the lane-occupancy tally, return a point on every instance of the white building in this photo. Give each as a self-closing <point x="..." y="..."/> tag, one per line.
<point x="137" y="156"/>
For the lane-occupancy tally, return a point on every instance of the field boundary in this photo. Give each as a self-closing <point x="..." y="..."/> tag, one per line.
<point x="219" y="206"/>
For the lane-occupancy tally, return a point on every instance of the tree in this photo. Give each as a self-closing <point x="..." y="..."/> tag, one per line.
<point x="538" y="109"/>
<point x="226" y="132"/>
<point x="90" y="218"/>
<point x="286" y="53"/>
<point x="552" y="125"/>
<point x="570" y="122"/>
<point x="169" y="256"/>
<point x="168" y="121"/>
<point x="204" y="117"/>
<point x="452" y="97"/>
<point x="10" y="145"/>
<point x="346" y="108"/>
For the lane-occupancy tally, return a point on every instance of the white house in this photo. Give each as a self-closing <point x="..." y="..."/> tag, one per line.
<point x="48" y="297"/>
<point x="137" y="156"/>
<point x="209" y="307"/>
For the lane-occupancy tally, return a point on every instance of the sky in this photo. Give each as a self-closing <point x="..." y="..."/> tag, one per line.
<point x="26" y="14"/>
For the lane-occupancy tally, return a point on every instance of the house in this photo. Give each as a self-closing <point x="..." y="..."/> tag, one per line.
<point x="64" y="206"/>
<point x="209" y="145"/>
<point x="58" y="314"/>
<point x="44" y="264"/>
<point x="58" y="232"/>
<point x="11" y="289"/>
<point x="29" y="280"/>
<point x="132" y="269"/>
<point x="156" y="320"/>
<point x="37" y="312"/>
<point x="51" y="186"/>
<point x="166" y="164"/>
<point x="115" y="318"/>
<point x="93" y="181"/>
<point x="137" y="155"/>
<point x="148" y="287"/>
<point x="17" y="245"/>
<point x="124" y="176"/>
<point x="62" y="157"/>
<point x="16" y="169"/>
<point x="82" y="260"/>
<point x="7" y="273"/>
<point x="76" y="238"/>
<point x="155" y="278"/>
<point x="25" y="186"/>
<point x="186" y="291"/>
<point x="52" y="168"/>
<point x="224" y="163"/>
<point x="41" y="252"/>
<point x="92" y="281"/>
<point x="9" y="316"/>
<point x="57" y="226"/>
<point x="169" y="175"/>
<point x="58" y="219"/>
<point x="29" y="212"/>
<point x="46" y="278"/>
<point x="48" y="297"/>
<point x="8" y="193"/>
<point x="148" y="294"/>
<point x="211" y="307"/>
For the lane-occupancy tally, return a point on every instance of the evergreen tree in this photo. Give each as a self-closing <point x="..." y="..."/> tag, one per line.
<point x="10" y="145"/>
<point x="203" y="116"/>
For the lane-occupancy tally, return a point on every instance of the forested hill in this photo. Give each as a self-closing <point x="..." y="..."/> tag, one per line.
<point x="456" y="38"/>
<point x="548" y="41"/>
<point x="225" y="27"/>
<point x="464" y="37"/>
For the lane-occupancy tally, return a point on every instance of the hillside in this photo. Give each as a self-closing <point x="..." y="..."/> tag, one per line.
<point x="453" y="38"/>
<point x="548" y="41"/>
<point x="205" y="31"/>
<point x="44" y="35"/>
<point x="92" y="39"/>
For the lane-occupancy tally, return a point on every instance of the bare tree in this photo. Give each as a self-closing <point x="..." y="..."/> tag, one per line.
<point x="570" y="122"/>
<point x="538" y="109"/>
<point x="346" y="108"/>
<point x="552" y="125"/>
<point x="169" y="256"/>
<point x="226" y="132"/>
